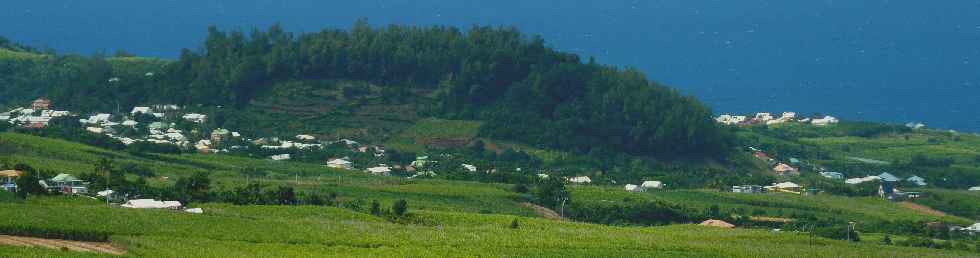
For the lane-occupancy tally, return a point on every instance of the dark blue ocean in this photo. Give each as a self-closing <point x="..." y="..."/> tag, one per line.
<point x="881" y="60"/>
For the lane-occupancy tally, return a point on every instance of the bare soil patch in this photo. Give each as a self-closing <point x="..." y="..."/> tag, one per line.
<point x="924" y="209"/>
<point x="544" y="212"/>
<point x="77" y="246"/>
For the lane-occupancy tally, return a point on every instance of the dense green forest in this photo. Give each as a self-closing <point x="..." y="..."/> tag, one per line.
<point x="524" y="90"/>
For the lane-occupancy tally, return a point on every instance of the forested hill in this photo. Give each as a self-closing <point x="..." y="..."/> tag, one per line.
<point x="522" y="89"/>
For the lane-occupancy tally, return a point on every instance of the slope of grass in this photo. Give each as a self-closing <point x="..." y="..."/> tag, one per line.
<point x="863" y="209"/>
<point x="434" y="133"/>
<point x="232" y="231"/>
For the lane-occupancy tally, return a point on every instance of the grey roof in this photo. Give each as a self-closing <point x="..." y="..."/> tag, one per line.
<point x="888" y="177"/>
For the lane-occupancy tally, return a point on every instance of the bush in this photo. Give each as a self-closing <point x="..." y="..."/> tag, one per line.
<point x="514" y="224"/>
<point x="375" y="208"/>
<point x="400" y="207"/>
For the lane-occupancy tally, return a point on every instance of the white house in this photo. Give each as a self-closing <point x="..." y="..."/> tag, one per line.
<point x="634" y="188"/>
<point x="141" y="110"/>
<point x="95" y="130"/>
<point x="380" y="170"/>
<point x="833" y="175"/>
<point x="580" y="180"/>
<point x="764" y="117"/>
<point x="543" y="176"/>
<point x="652" y="184"/>
<point x="975" y="228"/>
<point x="828" y="120"/>
<point x="97" y="119"/>
<point x="130" y="123"/>
<point x="196" y="118"/>
<point x="152" y="204"/>
<point x="303" y="137"/>
<point x="975" y="188"/>
<point x="915" y="125"/>
<point x="854" y="181"/>
<point x="470" y="168"/>
<point x="339" y="163"/>
<point x="281" y="157"/>
<point x="916" y="180"/>
<point x="730" y="119"/>
<point x="788" y="116"/>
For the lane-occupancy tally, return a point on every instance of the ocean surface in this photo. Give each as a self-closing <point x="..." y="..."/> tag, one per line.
<point x="880" y="60"/>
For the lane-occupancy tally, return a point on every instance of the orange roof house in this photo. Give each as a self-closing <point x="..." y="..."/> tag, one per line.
<point x="41" y="104"/>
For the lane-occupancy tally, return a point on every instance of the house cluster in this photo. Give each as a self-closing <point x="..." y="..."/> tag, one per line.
<point x="644" y="186"/>
<point x="769" y="119"/>
<point x="780" y="168"/>
<point x="888" y="185"/>
<point x="38" y="115"/>
<point x="62" y="183"/>
<point x="785" y="187"/>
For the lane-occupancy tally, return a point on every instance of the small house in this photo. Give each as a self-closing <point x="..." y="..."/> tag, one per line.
<point x="380" y="170"/>
<point x="141" y="110"/>
<point x="887" y="188"/>
<point x="717" y="224"/>
<point x="220" y="136"/>
<point x="8" y="180"/>
<point x="788" y="186"/>
<point x="763" y="117"/>
<point x="833" y="175"/>
<point x="786" y="170"/>
<point x="917" y="181"/>
<point x="340" y="164"/>
<point x="545" y="176"/>
<point x="975" y="188"/>
<point x="196" y="118"/>
<point x="827" y="120"/>
<point x="750" y="189"/>
<point x="420" y="162"/>
<point x="304" y="137"/>
<point x="68" y="184"/>
<point x="281" y="157"/>
<point x="470" y="168"/>
<point x="41" y="104"/>
<point x="652" y="184"/>
<point x="152" y="204"/>
<point x="854" y="181"/>
<point x="762" y="155"/>
<point x="580" y="180"/>
<point x="634" y="188"/>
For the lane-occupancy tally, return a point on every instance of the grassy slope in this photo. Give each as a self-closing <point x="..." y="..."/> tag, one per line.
<point x="256" y="231"/>
<point x="962" y="148"/>
<point x="862" y="210"/>
<point x="68" y="157"/>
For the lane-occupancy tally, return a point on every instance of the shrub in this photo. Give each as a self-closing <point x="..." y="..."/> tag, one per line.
<point x="375" y="208"/>
<point x="514" y="224"/>
<point x="400" y="207"/>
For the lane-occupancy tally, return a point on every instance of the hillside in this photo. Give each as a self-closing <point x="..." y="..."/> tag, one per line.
<point x="448" y="218"/>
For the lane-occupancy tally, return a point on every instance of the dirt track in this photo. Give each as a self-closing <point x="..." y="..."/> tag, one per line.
<point x="544" y="212"/>
<point x="76" y="246"/>
<point x="924" y="209"/>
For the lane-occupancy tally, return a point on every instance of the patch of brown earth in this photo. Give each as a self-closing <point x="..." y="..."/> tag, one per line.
<point x="77" y="246"/>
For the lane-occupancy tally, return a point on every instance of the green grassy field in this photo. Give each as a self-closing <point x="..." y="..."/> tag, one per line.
<point x="259" y="231"/>
<point x="781" y="205"/>
<point x="461" y="219"/>
<point x="67" y="157"/>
